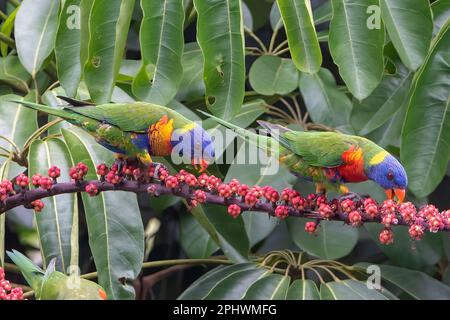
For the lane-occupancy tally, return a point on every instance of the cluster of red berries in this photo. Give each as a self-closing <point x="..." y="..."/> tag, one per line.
<point x="7" y="292"/>
<point x="239" y="197"/>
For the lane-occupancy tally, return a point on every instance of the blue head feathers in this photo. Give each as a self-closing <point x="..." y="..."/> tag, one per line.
<point x="389" y="173"/>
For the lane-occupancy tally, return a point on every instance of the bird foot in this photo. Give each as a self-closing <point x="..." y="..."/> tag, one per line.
<point x="158" y="166"/>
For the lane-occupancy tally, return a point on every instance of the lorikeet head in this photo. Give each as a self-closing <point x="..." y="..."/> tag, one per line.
<point x="193" y="141"/>
<point x="388" y="172"/>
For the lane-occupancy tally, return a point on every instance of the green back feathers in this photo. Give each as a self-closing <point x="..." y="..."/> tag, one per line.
<point x="32" y="273"/>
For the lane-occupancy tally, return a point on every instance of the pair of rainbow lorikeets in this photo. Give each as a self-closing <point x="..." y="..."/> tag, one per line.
<point x="141" y="130"/>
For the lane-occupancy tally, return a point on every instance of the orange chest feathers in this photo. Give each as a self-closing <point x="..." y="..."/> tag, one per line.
<point x="159" y="136"/>
<point x="352" y="169"/>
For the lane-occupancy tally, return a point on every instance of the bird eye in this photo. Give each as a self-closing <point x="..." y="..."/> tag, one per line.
<point x="390" y="176"/>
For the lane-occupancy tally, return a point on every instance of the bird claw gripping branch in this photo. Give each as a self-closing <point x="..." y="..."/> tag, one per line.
<point x="237" y="197"/>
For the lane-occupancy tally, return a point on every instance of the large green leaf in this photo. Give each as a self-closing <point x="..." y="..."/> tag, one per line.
<point x="324" y="101"/>
<point x="85" y="12"/>
<point x="221" y="39"/>
<point x="13" y="73"/>
<point x="161" y="39"/>
<point x="116" y="233"/>
<point x="303" y="290"/>
<point x="387" y="99"/>
<point x="35" y="31"/>
<point x="6" y="29"/>
<point x="271" y="287"/>
<point x="356" y="49"/>
<point x="332" y="241"/>
<point x="203" y="285"/>
<point x="426" y="134"/>
<point x="409" y="24"/>
<point x="17" y="123"/>
<point x="349" y="290"/>
<point x="57" y="224"/>
<point x="415" y="283"/>
<point x="195" y="240"/>
<point x="405" y="253"/>
<point x="191" y="86"/>
<point x="108" y="29"/>
<point x="302" y="38"/>
<point x="271" y="75"/>
<point x="441" y="12"/>
<point x="258" y="225"/>
<point x="67" y="47"/>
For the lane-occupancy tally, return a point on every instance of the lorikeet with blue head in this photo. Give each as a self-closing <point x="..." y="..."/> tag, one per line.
<point x="330" y="159"/>
<point x="55" y="285"/>
<point x="137" y="130"/>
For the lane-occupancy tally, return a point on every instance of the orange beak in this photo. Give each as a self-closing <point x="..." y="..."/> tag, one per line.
<point x="200" y="167"/>
<point x="399" y="193"/>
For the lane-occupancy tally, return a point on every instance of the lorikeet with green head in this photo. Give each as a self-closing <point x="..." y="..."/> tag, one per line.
<point x="137" y="130"/>
<point x="330" y="159"/>
<point x="55" y="285"/>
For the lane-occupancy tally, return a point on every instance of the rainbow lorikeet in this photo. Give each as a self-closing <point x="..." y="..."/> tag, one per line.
<point x="330" y="159"/>
<point x="137" y="130"/>
<point x="55" y="285"/>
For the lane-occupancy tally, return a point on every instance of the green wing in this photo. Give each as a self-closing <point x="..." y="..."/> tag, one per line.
<point x="319" y="149"/>
<point x="136" y="117"/>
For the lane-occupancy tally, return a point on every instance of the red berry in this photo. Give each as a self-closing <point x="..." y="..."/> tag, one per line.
<point x="416" y="231"/>
<point x="200" y="196"/>
<point x="251" y="198"/>
<point x="347" y="205"/>
<point x="408" y="211"/>
<point x="162" y="174"/>
<point x="22" y="180"/>
<point x="191" y="180"/>
<point x="91" y="189"/>
<point x="428" y="211"/>
<point x="7" y="186"/>
<point x="325" y="211"/>
<point x="224" y="190"/>
<point x="271" y="194"/>
<point x="321" y="199"/>
<point x="436" y="223"/>
<point x="54" y="172"/>
<point x="243" y="190"/>
<point x="171" y="182"/>
<point x="311" y="227"/>
<point x="386" y="236"/>
<point x="282" y="212"/>
<point x="287" y="194"/>
<point x="2" y="274"/>
<point x="113" y="178"/>
<point x="82" y="168"/>
<point x="354" y="218"/>
<point x="257" y="191"/>
<point x="388" y="207"/>
<point x="203" y="180"/>
<point x="389" y="219"/>
<point x="181" y="176"/>
<point x="234" y="210"/>
<point x="102" y="169"/>
<point x="213" y="182"/>
<point x="446" y="217"/>
<point x="371" y="209"/>
<point x="234" y="185"/>
<point x="46" y="183"/>
<point x="298" y="203"/>
<point x="37" y="205"/>
<point x="128" y="170"/>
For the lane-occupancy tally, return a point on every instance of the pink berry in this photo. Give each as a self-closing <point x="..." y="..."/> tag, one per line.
<point x="234" y="185"/>
<point x="22" y="180"/>
<point x="200" y="196"/>
<point x="354" y="218"/>
<point x="191" y="180"/>
<point x="213" y="182"/>
<point x="203" y="180"/>
<point x="37" y="205"/>
<point x="91" y="189"/>
<point x="234" y="210"/>
<point x="224" y="190"/>
<point x="408" y="212"/>
<point x="35" y="179"/>
<point x="282" y="212"/>
<point x="251" y="198"/>
<point x="46" y="183"/>
<point x="347" y="205"/>
<point x="298" y="203"/>
<point x="102" y="169"/>
<point x="113" y="178"/>
<point x="243" y="190"/>
<point x="325" y="211"/>
<point x="311" y="227"/>
<point x="416" y="231"/>
<point x="386" y="236"/>
<point x="271" y="194"/>
<point x="171" y="182"/>
<point x="54" y="172"/>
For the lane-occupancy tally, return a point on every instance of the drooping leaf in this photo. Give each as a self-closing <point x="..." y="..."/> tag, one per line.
<point x="247" y="16"/>
<point x="441" y="12"/>
<point x="116" y="233"/>
<point x="324" y="101"/>
<point x="356" y="49"/>
<point x="271" y="75"/>
<point x="303" y="290"/>
<point x="57" y="224"/>
<point x="409" y="24"/>
<point x="221" y="39"/>
<point x="302" y="38"/>
<point x="195" y="240"/>
<point x="349" y="290"/>
<point x="202" y="286"/>
<point x="67" y="47"/>
<point x="108" y="29"/>
<point x="386" y="100"/>
<point x="35" y="31"/>
<point x="332" y="241"/>
<point x="191" y="86"/>
<point x="85" y="12"/>
<point x="6" y="29"/>
<point x="271" y="287"/>
<point x="417" y="284"/>
<point x="13" y="73"/>
<point x="161" y="40"/>
<point x="426" y="134"/>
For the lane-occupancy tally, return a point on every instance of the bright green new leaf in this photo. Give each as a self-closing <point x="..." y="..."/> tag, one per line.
<point x="6" y="29"/>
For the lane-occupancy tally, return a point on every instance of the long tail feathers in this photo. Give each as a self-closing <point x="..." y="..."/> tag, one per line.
<point x="32" y="273"/>
<point x="67" y="115"/>
<point x="76" y="103"/>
